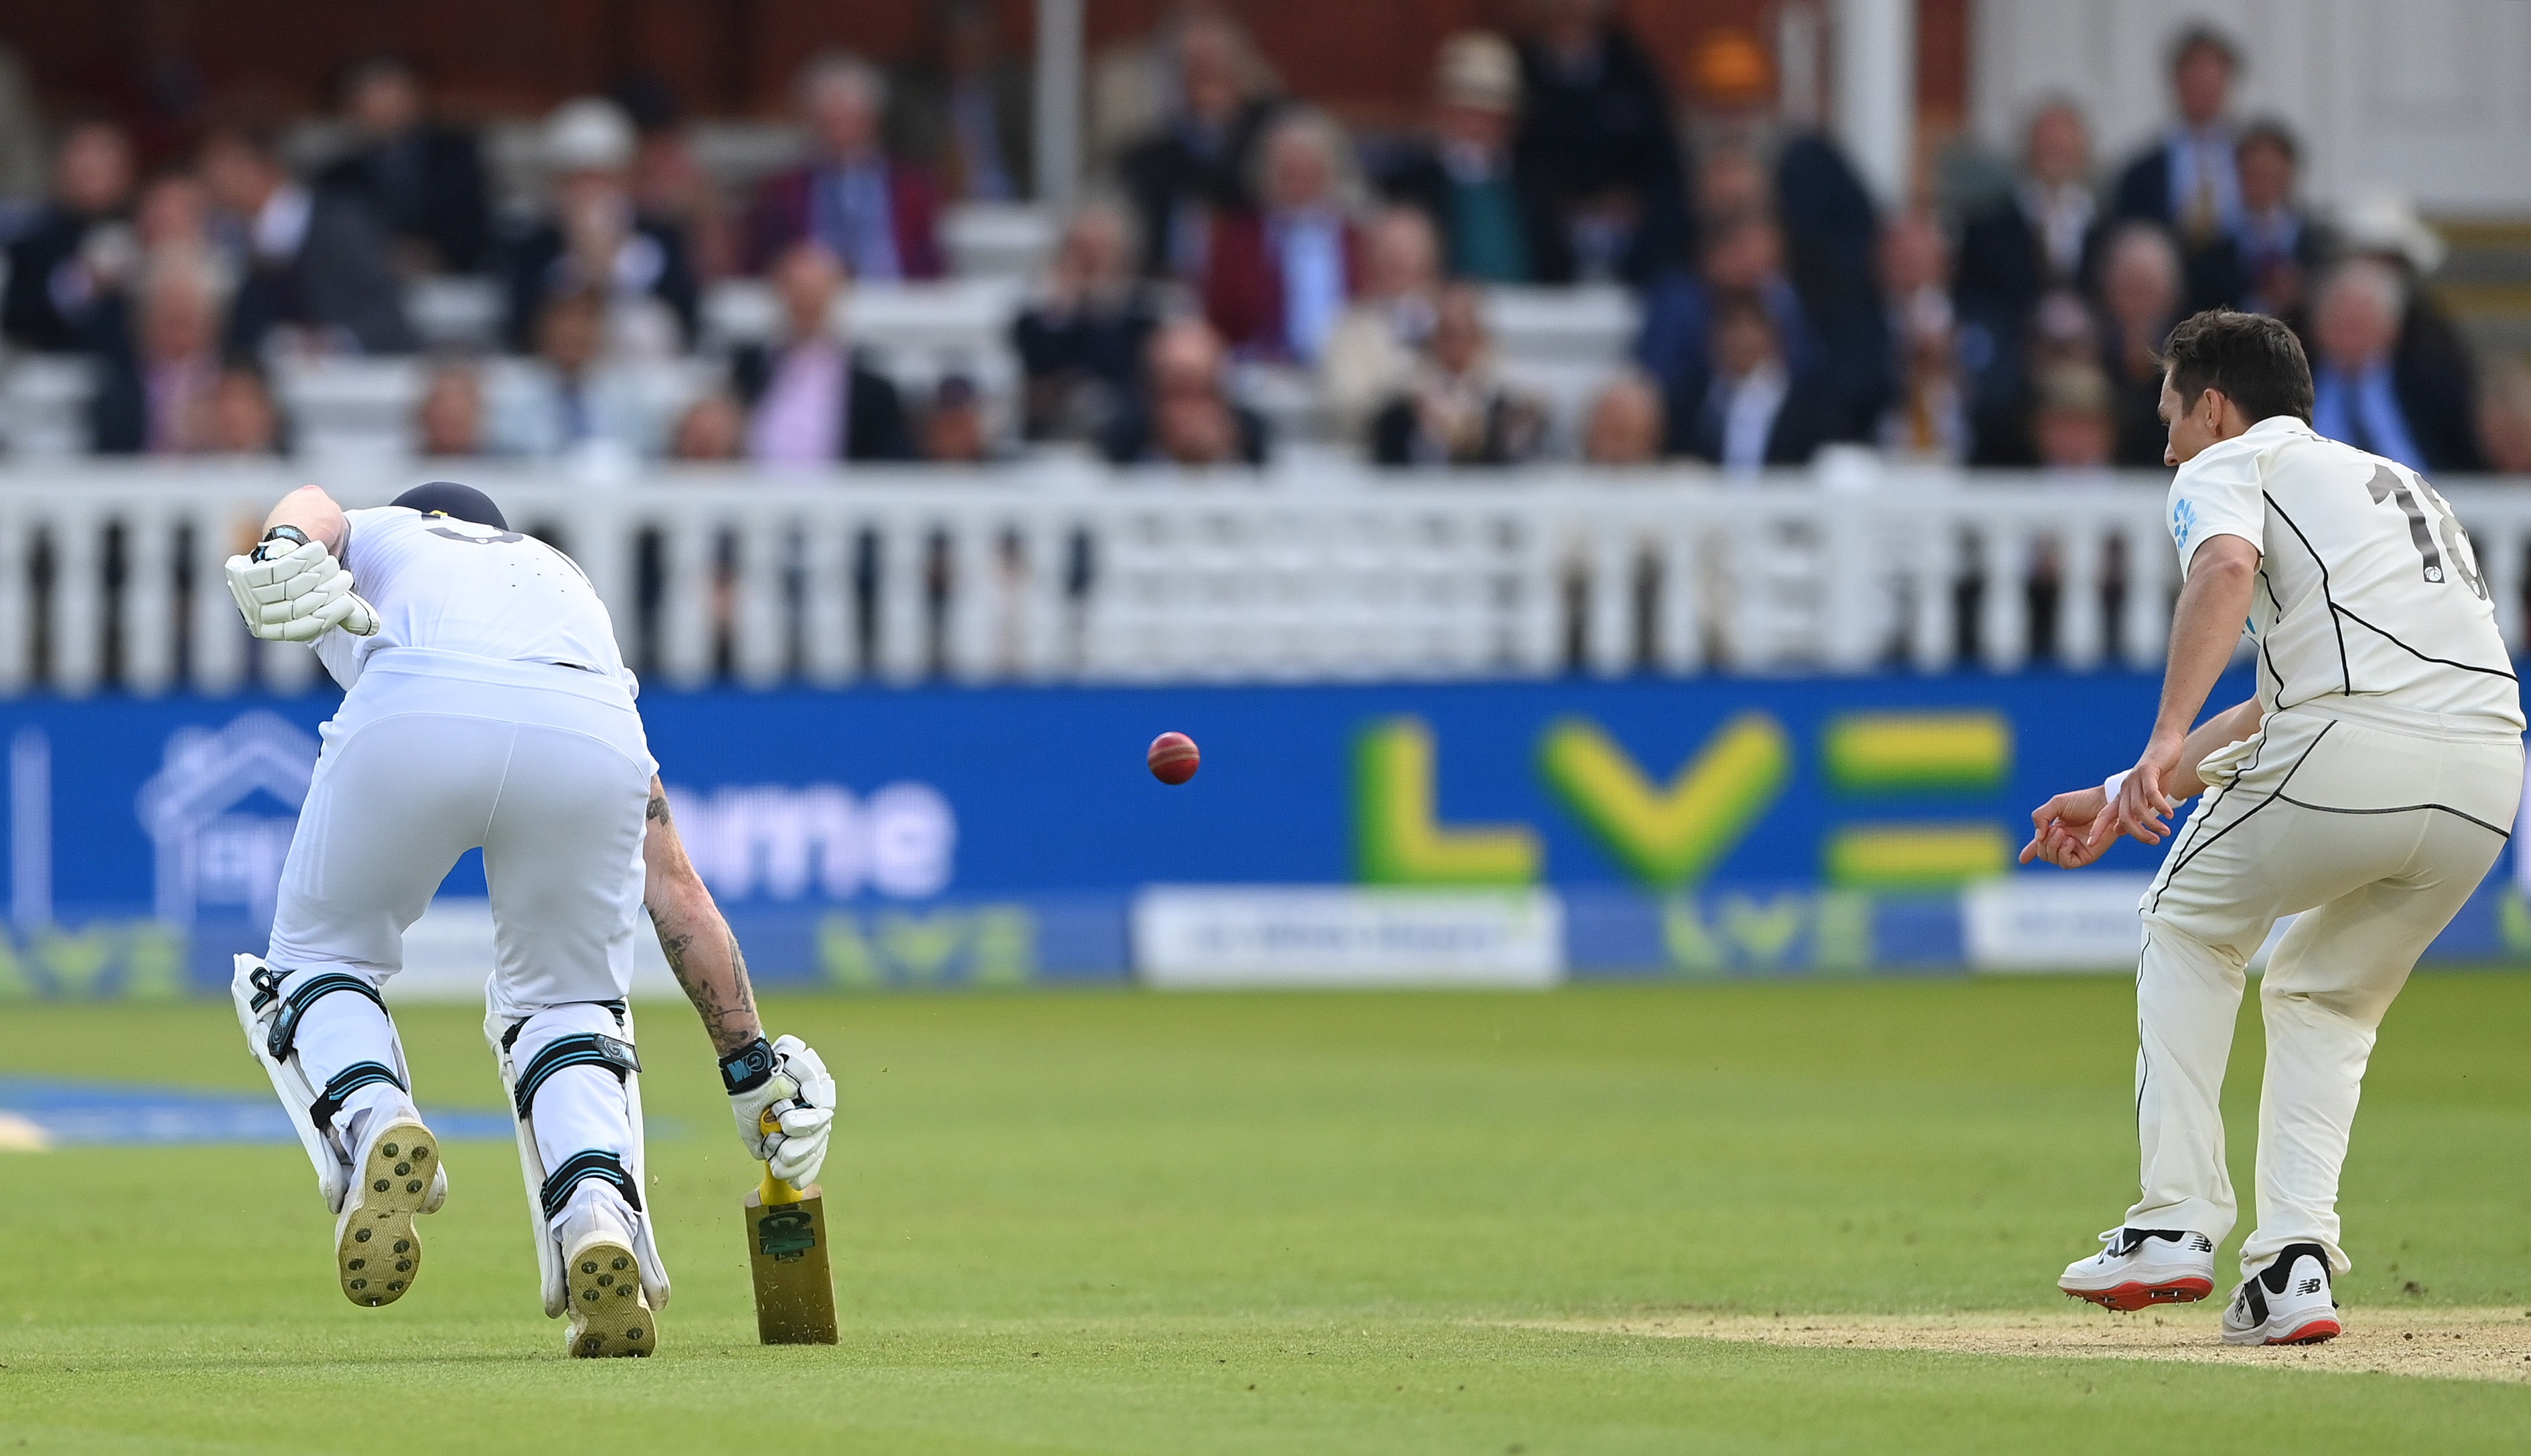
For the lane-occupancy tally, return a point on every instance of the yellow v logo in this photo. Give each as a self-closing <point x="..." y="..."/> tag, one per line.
<point x="1668" y="838"/>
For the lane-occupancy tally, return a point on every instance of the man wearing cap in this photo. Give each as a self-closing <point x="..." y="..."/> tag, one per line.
<point x="485" y="706"/>
<point x="596" y="241"/>
<point x="1461" y="175"/>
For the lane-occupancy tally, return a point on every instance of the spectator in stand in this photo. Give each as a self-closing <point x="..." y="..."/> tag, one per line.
<point x="669" y="183"/>
<point x="964" y="109"/>
<point x="878" y="214"/>
<point x="1597" y="151"/>
<point x="581" y="399"/>
<point x="1461" y="175"/>
<point x="1371" y="354"/>
<point x="811" y="400"/>
<point x="423" y="181"/>
<point x="1624" y="426"/>
<point x="1928" y="417"/>
<point x="449" y="421"/>
<point x="2278" y="247"/>
<point x="712" y="429"/>
<point x="1196" y="168"/>
<point x="2504" y="415"/>
<point x="1758" y="410"/>
<point x="242" y="418"/>
<point x="1744" y="256"/>
<point x="2072" y="426"/>
<point x="2189" y="181"/>
<point x="2140" y="301"/>
<point x="954" y="428"/>
<point x="1187" y="415"/>
<point x="155" y="381"/>
<point x="313" y="264"/>
<point x="598" y="241"/>
<point x="2430" y="354"/>
<point x="1276" y="281"/>
<point x="1457" y="409"/>
<point x="2040" y="239"/>
<point x="1081" y="337"/>
<point x="53" y="285"/>
<point x="2361" y="393"/>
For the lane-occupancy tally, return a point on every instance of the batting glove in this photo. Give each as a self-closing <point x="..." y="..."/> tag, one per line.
<point x="292" y="589"/>
<point x="791" y="1081"/>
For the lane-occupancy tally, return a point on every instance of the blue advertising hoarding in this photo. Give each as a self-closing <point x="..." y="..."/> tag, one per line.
<point x="1002" y="834"/>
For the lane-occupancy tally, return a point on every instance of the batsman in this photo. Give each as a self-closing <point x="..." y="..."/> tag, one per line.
<point x="485" y="705"/>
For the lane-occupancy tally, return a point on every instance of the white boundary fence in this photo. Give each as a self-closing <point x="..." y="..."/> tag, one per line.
<point x="111" y="576"/>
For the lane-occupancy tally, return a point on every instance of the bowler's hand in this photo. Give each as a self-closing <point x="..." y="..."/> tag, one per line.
<point x="2065" y="832"/>
<point x="2142" y="807"/>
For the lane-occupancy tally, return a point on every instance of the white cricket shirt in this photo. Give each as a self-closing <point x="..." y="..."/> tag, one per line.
<point x="457" y="586"/>
<point x="2367" y="589"/>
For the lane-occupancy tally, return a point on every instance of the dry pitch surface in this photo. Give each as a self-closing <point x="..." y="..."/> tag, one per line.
<point x="2442" y="1344"/>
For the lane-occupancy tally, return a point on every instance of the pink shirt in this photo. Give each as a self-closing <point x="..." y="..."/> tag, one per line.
<point x="800" y="420"/>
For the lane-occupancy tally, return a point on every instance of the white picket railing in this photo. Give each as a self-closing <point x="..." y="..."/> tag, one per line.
<point x="112" y="575"/>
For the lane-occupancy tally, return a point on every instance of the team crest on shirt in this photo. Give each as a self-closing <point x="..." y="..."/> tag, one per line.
<point x="2183" y="522"/>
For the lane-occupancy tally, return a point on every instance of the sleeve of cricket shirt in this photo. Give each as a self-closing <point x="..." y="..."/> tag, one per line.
<point x="2219" y="493"/>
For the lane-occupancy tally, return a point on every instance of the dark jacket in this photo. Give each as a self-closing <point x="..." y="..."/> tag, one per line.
<point x="781" y="218"/>
<point x="875" y="423"/>
<point x="33" y="312"/>
<point x="1611" y="133"/>
<point x="2003" y="269"/>
<point x="341" y="280"/>
<point x="529" y="276"/>
<point x="1802" y="425"/>
<point x="1676" y="345"/>
<point x="425" y="186"/>
<point x="1415" y="177"/>
<point x="1166" y="170"/>
<point x="1129" y="440"/>
<point x="920" y="129"/>
<point x="2209" y="272"/>
<point x="1398" y="436"/>
<point x="1064" y="355"/>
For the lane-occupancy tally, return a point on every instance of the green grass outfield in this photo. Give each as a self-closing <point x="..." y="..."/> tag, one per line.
<point x="1118" y="1223"/>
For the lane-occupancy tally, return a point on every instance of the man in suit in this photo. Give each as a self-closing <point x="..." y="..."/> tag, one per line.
<point x="1186" y="415"/>
<point x="1194" y="167"/>
<point x="809" y="400"/>
<point x="596" y="239"/>
<point x="54" y="287"/>
<point x="2038" y="239"/>
<point x="965" y="110"/>
<point x="313" y="261"/>
<point x="1744" y="258"/>
<point x="879" y="215"/>
<point x="424" y="181"/>
<point x="2190" y="180"/>
<point x="1597" y="150"/>
<point x="1758" y="412"/>
<point x="2371" y="394"/>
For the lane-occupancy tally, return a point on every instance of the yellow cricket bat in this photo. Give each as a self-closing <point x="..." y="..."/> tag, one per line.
<point x="786" y="1251"/>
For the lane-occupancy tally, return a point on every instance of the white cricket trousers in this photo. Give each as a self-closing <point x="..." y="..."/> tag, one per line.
<point x="432" y="754"/>
<point x="2373" y="830"/>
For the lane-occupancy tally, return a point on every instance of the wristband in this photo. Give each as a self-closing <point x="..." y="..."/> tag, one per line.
<point x="747" y="1068"/>
<point x="290" y="533"/>
<point x="2113" y="783"/>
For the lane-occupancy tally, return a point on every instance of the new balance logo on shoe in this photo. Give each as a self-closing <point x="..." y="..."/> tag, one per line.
<point x="2201" y="1244"/>
<point x="2309" y="1286"/>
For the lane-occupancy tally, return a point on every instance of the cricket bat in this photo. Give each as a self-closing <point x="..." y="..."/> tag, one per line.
<point x="786" y="1251"/>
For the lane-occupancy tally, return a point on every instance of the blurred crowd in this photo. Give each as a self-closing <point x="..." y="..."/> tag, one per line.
<point x="1234" y="240"/>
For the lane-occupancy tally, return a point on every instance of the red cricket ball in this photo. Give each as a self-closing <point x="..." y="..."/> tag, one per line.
<point x="1173" y="757"/>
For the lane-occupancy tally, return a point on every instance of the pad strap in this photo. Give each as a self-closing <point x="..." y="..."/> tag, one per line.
<point x="587" y="1049"/>
<point x="285" y="1027"/>
<point x="346" y="1082"/>
<point x="578" y="1169"/>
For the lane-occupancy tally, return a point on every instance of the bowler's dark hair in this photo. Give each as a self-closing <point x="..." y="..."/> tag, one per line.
<point x="2256" y="360"/>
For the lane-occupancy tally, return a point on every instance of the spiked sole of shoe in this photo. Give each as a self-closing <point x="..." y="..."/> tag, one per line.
<point x="2129" y="1298"/>
<point x="378" y="1253"/>
<point x="2312" y="1332"/>
<point x="609" y="1314"/>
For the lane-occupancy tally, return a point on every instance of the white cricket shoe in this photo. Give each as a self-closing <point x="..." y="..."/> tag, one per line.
<point x="2287" y="1303"/>
<point x="2144" y="1267"/>
<point x="609" y="1314"/>
<point x="394" y="1178"/>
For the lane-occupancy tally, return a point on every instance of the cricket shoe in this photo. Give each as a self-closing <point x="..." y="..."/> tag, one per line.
<point x="395" y="1178"/>
<point x="609" y="1314"/>
<point x="2144" y="1267"/>
<point x="2287" y="1303"/>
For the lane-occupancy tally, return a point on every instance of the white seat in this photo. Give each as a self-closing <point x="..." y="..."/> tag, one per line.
<point x="456" y="312"/>
<point x="1595" y="323"/>
<point x="43" y="406"/>
<point x="344" y="406"/>
<point x="996" y="240"/>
